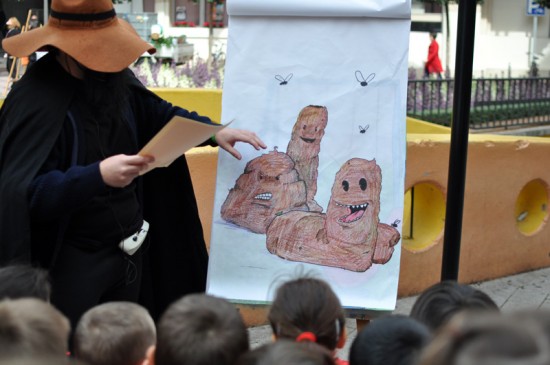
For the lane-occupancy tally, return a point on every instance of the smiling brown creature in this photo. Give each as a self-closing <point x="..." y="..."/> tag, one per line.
<point x="349" y="235"/>
<point x="268" y="186"/>
<point x="304" y="148"/>
<point x="352" y="212"/>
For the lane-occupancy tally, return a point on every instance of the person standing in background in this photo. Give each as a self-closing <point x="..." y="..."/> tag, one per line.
<point x="14" y="28"/>
<point x="433" y="64"/>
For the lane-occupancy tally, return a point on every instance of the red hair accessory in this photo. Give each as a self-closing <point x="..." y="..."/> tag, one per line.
<point x="306" y="336"/>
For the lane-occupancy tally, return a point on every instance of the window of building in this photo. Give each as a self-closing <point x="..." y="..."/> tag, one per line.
<point x="425" y="7"/>
<point x="199" y="13"/>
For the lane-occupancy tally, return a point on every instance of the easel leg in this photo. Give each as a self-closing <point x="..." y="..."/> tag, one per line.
<point x="17" y="68"/>
<point x="361" y="323"/>
<point x="10" y="76"/>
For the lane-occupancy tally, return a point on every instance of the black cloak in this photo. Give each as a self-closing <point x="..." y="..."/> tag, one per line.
<point x="31" y="120"/>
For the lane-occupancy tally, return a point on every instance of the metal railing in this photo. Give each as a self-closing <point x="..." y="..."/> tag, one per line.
<point x="495" y="102"/>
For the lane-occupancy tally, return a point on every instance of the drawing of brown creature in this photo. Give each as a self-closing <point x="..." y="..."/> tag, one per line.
<point x="349" y="235"/>
<point x="268" y="186"/>
<point x="304" y="147"/>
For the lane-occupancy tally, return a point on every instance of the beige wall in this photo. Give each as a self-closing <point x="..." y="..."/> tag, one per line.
<point x="493" y="244"/>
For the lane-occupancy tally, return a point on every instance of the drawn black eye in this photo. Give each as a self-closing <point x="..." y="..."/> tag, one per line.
<point x="277" y="177"/>
<point x="345" y="185"/>
<point x="363" y="184"/>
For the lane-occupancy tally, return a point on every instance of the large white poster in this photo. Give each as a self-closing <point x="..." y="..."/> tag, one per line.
<point x="323" y="83"/>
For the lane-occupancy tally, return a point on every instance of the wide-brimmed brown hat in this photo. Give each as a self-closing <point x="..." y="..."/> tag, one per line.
<point x="87" y="30"/>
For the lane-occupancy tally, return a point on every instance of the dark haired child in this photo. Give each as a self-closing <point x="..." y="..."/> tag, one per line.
<point x="389" y="340"/>
<point x="288" y="353"/>
<point x="199" y="329"/>
<point x="307" y="309"/>
<point x="487" y="338"/>
<point x="24" y="281"/>
<point x="32" y="327"/>
<point x="39" y="360"/>
<point x="114" y="333"/>
<point x="437" y="304"/>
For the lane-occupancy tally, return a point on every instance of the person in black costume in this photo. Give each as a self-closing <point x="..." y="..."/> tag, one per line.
<point x="70" y="184"/>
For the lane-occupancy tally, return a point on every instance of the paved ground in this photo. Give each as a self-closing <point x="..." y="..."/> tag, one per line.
<point x="529" y="290"/>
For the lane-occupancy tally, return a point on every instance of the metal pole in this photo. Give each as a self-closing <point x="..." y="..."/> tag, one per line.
<point x="459" y="139"/>
<point x="46" y="7"/>
<point x="412" y="214"/>
<point x="533" y="40"/>
<point x="202" y="12"/>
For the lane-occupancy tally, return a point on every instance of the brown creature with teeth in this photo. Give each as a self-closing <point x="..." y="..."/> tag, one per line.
<point x="304" y="147"/>
<point x="268" y="186"/>
<point x="349" y="235"/>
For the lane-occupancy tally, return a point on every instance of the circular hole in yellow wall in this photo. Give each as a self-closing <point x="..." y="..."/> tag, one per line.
<point x="531" y="211"/>
<point x="423" y="217"/>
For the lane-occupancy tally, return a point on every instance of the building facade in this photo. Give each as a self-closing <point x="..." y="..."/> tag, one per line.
<point x="507" y="39"/>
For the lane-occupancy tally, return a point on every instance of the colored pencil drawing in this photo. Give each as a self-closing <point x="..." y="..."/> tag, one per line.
<point x="269" y="186"/>
<point x="304" y="148"/>
<point x="278" y="182"/>
<point x="349" y="235"/>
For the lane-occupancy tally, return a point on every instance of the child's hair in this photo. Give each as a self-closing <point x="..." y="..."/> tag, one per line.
<point x="114" y="333"/>
<point x="32" y="327"/>
<point x="307" y="305"/>
<point x="200" y="329"/>
<point x="288" y="353"/>
<point x="389" y="340"/>
<point x="22" y="281"/>
<point x="487" y="339"/>
<point x="23" y="359"/>
<point x="437" y="304"/>
<point x="539" y="316"/>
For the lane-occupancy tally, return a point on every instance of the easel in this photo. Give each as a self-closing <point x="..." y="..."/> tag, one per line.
<point x="15" y="66"/>
<point x="256" y="314"/>
<point x="17" y="63"/>
<point x="363" y="316"/>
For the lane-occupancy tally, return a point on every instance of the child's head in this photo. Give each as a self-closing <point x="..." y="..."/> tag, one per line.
<point x="487" y="339"/>
<point x="115" y="333"/>
<point x="437" y="304"/>
<point x="539" y="316"/>
<point x="40" y="360"/>
<point x="308" y="306"/>
<point x="390" y="340"/>
<point x="32" y="327"/>
<point x="22" y="281"/>
<point x="202" y="330"/>
<point x="288" y="353"/>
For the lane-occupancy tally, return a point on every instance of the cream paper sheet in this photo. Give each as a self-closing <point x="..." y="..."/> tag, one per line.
<point x="177" y="137"/>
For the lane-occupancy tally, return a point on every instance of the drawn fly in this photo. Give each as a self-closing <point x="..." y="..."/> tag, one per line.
<point x="362" y="80"/>
<point x="283" y="81"/>
<point x="362" y="129"/>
